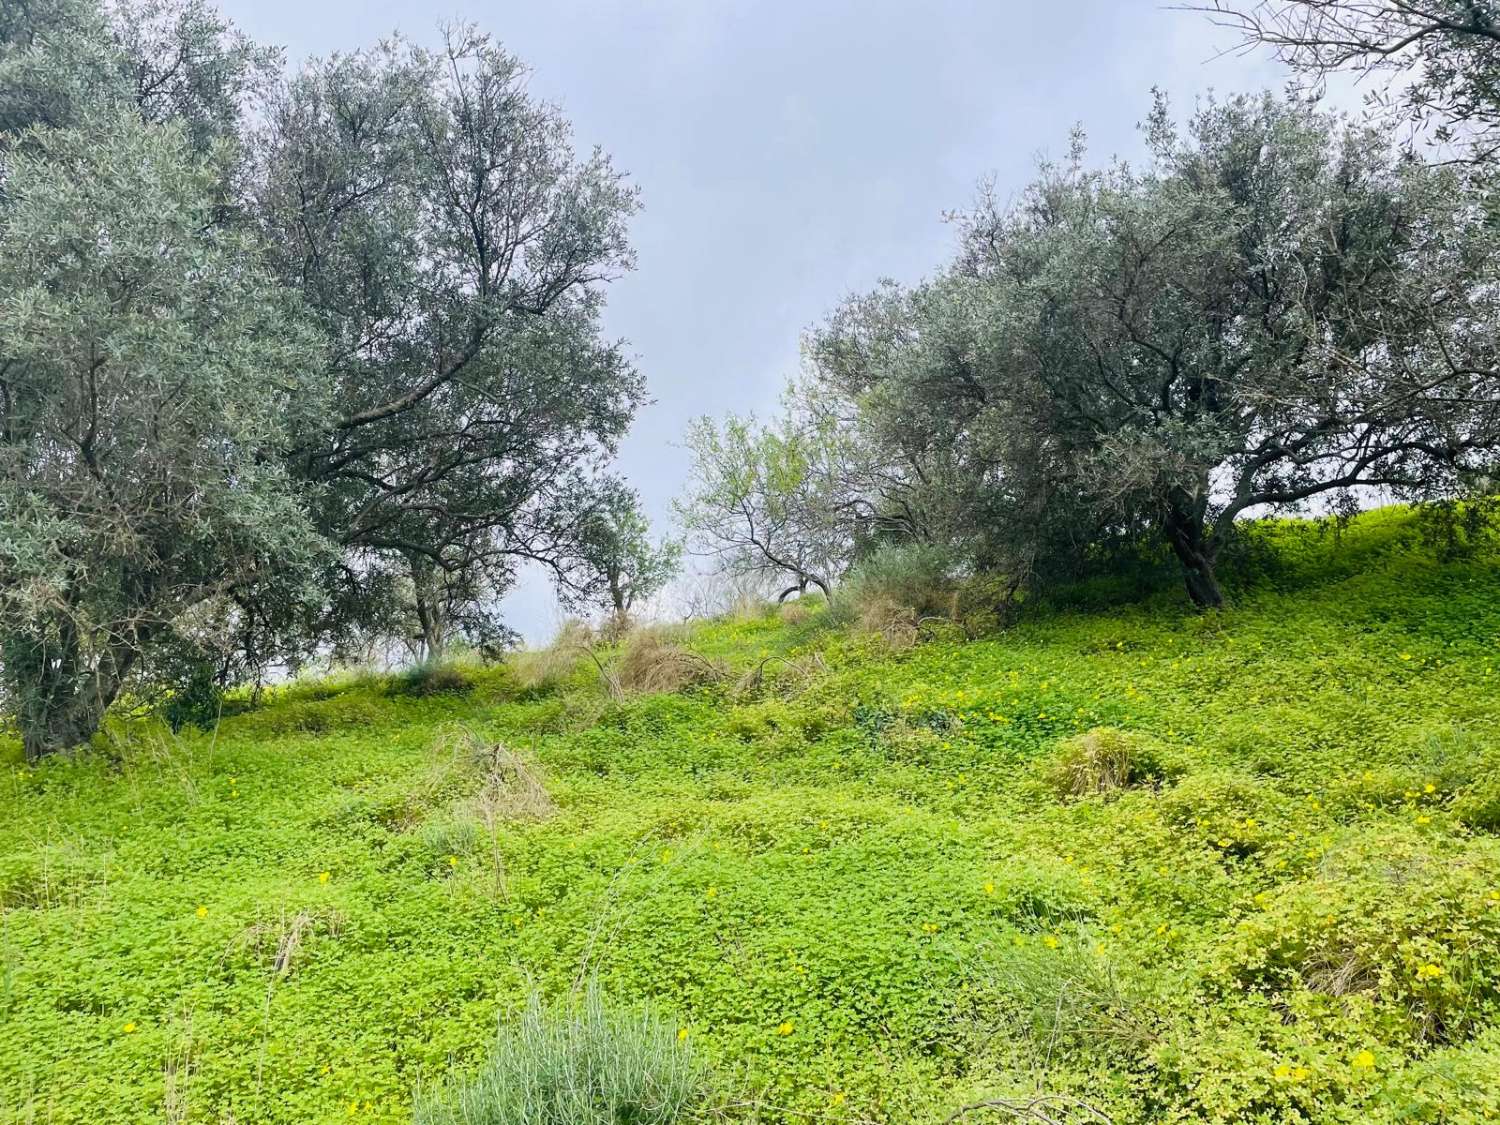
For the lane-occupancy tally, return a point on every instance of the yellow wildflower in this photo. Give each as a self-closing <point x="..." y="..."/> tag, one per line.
<point x="682" y="1034"/>
<point x="202" y="912"/>
<point x="1365" y="1060"/>
<point x="785" y="1028"/>
<point x="1429" y="972"/>
<point x="712" y="892"/>
<point x="129" y="1027"/>
<point x="989" y="888"/>
<point x="1050" y="941"/>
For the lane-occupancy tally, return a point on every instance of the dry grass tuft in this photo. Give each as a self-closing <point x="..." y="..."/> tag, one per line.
<point x="781" y="675"/>
<point x="548" y="667"/>
<point x="896" y="624"/>
<point x="794" y="613"/>
<point x="651" y="662"/>
<point x="513" y="789"/>
<point x="1097" y="761"/>
<point x="282" y="939"/>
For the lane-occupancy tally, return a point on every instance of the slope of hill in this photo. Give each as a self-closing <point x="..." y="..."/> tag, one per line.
<point x="867" y="885"/>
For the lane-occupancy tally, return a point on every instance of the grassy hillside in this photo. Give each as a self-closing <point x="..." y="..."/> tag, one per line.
<point x="866" y="887"/>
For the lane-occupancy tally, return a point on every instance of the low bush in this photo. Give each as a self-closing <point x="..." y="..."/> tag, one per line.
<point x="582" y="1064"/>
<point x="431" y="678"/>
<point x="1386" y="919"/>
<point x="196" y="700"/>
<point x="1227" y="810"/>
<point x="896" y="584"/>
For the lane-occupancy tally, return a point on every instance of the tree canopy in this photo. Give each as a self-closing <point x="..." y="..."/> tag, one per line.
<point x="1276" y="308"/>
<point x="267" y="389"/>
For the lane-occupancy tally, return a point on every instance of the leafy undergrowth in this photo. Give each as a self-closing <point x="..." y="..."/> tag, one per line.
<point x="869" y="886"/>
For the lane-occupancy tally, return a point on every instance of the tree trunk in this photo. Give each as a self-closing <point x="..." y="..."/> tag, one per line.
<point x="799" y="588"/>
<point x="60" y="699"/>
<point x="61" y="726"/>
<point x="427" y="602"/>
<point x="1191" y="545"/>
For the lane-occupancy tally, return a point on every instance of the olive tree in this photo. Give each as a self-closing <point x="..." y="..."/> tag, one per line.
<point x="264" y="393"/>
<point x="453" y="249"/>
<point x="1440" y="58"/>
<point x="764" y="500"/>
<point x="1276" y="308"/>
<point x="615" y="563"/>
<point x="150" y="373"/>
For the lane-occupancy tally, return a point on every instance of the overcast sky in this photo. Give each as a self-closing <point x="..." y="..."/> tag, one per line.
<point x="790" y="152"/>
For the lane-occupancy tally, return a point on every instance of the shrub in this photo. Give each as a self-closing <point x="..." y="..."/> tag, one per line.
<point x="431" y="678"/>
<point x="1231" y="811"/>
<point x="1387" y="917"/>
<point x="584" y="1064"/>
<point x="1101" y="760"/>
<point x="983" y="603"/>
<point x="911" y="579"/>
<point x="197" y="699"/>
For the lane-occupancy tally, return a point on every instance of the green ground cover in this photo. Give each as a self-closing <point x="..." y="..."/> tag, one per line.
<point x="872" y="886"/>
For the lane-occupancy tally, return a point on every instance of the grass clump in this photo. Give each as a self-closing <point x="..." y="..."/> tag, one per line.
<point x="651" y="662"/>
<point x="1101" y="760"/>
<point x="580" y="1064"/>
<point x="545" y="670"/>
<point x="1059" y="988"/>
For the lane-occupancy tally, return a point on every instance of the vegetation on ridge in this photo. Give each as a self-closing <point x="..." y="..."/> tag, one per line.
<point x="884" y="886"/>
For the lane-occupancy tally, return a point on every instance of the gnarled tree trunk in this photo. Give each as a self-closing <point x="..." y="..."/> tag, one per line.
<point x="1186" y="532"/>
<point x="60" y="699"/>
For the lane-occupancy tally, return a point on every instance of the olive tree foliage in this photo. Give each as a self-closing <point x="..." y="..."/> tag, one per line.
<point x="452" y="249"/>
<point x="1440" y="59"/>
<point x="935" y="454"/>
<point x="148" y="365"/>
<point x="614" y="563"/>
<point x="1277" y="308"/>
<point x="264" y="392"/>
<point x="150" y="369"/>
<point x="766" y="500"/>
<point x="172" y="61"/>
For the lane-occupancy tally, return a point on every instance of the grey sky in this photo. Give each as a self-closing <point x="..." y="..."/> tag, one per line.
<point x="792" y="152"/>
